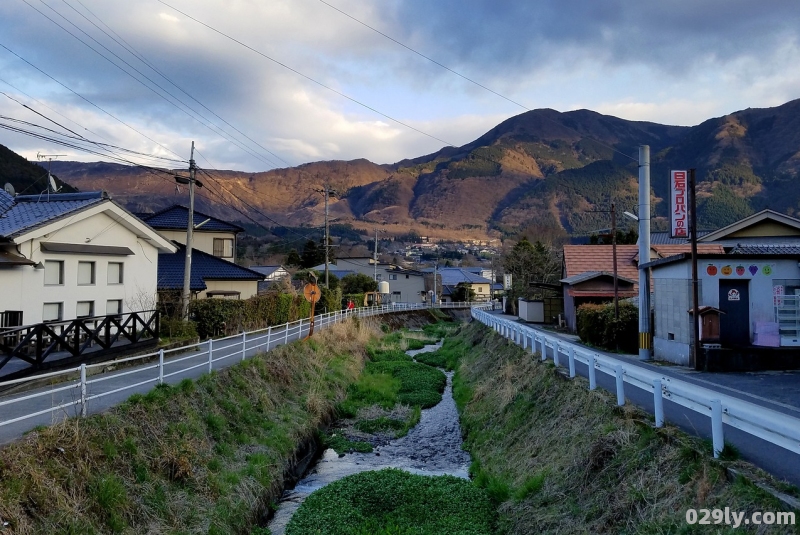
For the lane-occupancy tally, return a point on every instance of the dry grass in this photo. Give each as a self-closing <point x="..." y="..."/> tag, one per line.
<point x="199" y="457"/>
<point x="607" y="470"/>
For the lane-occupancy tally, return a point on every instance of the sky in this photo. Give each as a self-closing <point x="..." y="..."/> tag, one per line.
<point x="259" y="84"/>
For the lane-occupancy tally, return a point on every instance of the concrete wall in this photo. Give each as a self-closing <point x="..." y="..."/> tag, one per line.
<point x="23" y="288"/>
<point x="672" y="339"/>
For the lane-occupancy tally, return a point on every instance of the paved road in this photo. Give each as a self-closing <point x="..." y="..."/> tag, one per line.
<point x="777" y="391"/>
<point x="115" y="386"/>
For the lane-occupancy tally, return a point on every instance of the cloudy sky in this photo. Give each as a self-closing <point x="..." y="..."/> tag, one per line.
<point x="307" y="82"/>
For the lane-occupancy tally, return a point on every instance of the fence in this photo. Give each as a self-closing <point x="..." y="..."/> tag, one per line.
<point x="207" y="356"/>
<point x="769" y="425"/>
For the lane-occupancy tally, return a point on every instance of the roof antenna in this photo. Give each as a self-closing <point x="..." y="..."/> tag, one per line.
<point x="10" y="189"/>
<point x="51" y="182"/>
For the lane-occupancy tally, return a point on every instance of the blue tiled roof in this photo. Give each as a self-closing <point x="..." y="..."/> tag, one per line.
<point x="25" y="212"/>
<point x="454" y="276"/>
<point x="766" y="249"/>
<point x="204" y="267"/>
<point x="175" y="218"/>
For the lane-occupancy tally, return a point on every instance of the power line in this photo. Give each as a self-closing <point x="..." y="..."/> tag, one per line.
<point x="490" y="90"/>
<point x="307" y="77"/>
<point x="127" y="46"/>
<point x="267" y="161"/>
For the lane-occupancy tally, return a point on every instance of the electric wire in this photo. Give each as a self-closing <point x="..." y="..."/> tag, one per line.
<point x="127" y="46"/>
<point x="307" y="77"/>
<point x="171" y="102"/>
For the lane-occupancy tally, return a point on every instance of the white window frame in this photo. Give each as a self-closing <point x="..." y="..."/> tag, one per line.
<point x="60" y="306"/>
<point x="121" y="273"/>
<point x="93" y="273"/>
<point x="225" y="242"/>
<point x="393" y="277"/>
<point x="49" y="265"/>
<point x="90" y="312"/>
<point x="118" y="308"/>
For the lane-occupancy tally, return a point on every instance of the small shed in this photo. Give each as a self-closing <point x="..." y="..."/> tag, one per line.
<point x="531" y="310"/>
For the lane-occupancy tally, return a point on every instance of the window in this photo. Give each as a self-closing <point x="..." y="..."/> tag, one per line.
<point x="223" y="247"/>
<point x="396" y="296"/>
<point x="53" y="272"/>
<point x="85" y="273"/>
<point x="84" y="309"/>
<point x="114" y="306"/>
<point x="53" y="311"/>
<point x="392" y="277"/>
<point x="115" y="273"/>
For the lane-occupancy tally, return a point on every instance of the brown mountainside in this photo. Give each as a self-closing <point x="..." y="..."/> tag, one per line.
<point x="539" y="170"/>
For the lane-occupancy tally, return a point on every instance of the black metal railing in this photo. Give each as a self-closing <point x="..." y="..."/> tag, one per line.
<point x="56" y="343"/>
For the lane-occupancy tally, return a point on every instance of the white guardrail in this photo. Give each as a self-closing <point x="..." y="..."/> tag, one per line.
<point x="211" y="351"/>
<point x="761" y="422"/>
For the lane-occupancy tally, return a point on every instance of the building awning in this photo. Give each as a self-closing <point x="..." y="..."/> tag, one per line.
<point x="9" y="258"/>
<point x="85" y="248"/>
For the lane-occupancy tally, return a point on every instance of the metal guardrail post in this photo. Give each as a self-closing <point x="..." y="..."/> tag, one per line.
<point x="84" y="407"/>
<point x="658" y="403"/>
<point x="556" y="356"/>
<point x="269" y="335"/>
<point x="620" y="385"/>
<point x="592" y="373"/>
<point x="716" y="427"/>
<point x="571" y="362"/>
<point x="543" y="344"/>
<point x="300" y="331"/>
<point x="524" y="341"/>
<point x="161" y="366"/>
<point x="210" y="354"/>
<point x="286" y="334"/>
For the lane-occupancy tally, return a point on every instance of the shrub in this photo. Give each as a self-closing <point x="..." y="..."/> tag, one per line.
<point x="597" y="326"/>
<point x="215" y="317"/>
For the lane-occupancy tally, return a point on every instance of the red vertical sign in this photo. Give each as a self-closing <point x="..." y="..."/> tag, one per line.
<point x="679" y="221"/>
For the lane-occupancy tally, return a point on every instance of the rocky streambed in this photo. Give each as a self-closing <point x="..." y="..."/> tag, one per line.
<point x="432" y="447"/>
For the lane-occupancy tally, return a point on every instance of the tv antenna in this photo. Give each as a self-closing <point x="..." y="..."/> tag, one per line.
<point x="51" y="182"/>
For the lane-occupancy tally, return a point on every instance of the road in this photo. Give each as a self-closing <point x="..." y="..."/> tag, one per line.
<point x="777" y="391"/>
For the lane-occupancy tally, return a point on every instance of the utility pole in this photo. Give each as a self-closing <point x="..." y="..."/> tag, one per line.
<point x="614" y="254"/>
<point x="187" y="266"/>
<point x="695" y="296"/>
<point x="435" y="265"/>
<point x="375" y="257"/>
<point x="645" y="332"/>
<point x="327" y="192"/>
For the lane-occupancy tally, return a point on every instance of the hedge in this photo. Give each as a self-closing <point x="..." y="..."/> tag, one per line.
<point x="597" y="326"/>
<point x="215" y="317"/>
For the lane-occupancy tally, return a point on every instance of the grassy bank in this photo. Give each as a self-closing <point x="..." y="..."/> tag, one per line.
<point x="199" y="457"/>
<point x="558" y="458"/>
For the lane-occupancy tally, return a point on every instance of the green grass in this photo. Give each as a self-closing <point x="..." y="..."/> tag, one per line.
<point x="447" y="356"/>
<point x="419" y="384"/>
<point x="554" y="454"/>
<point x="393" y="502"/>
<point x="341" y="444"/>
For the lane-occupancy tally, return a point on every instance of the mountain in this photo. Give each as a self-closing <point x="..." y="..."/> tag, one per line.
<point x="543" y="170"/>
<point x="24" y="176"/>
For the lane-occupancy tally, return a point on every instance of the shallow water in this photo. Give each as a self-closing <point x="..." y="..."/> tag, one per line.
<point x="432" y="447"/>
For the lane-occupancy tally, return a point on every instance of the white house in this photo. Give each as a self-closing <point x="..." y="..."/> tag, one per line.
<point x="405" y="285"/>
<point x="68" y="255"/>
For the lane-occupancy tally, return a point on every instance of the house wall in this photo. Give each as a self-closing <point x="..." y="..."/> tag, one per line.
<point x="765" y="228"/>
<point x="23" y="287"/>
<point x="246" y="289"/>
<point x="410" y="286"/>
<point x="482" y="291"/>
<point x="570" y="311"/>
<point x="672" y="296"/>
<point x="202" y="241"/>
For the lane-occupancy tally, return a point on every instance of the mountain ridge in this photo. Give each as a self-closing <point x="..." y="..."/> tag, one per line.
<point x="540" y="171"/>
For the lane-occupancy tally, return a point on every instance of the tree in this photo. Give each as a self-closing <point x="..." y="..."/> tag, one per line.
<point x="312" y="254"/>
<point x="358" y="283"/>
<point x="463" y="292"/>
<point x="530" y="262"/>
<point x="293" y="259"/>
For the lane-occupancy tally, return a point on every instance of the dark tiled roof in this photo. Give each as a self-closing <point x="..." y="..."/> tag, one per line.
<point x="204" y="267"/>
<point x="175" y="218"/>
<point x="25" y="212"/>
<point x="662" y="238"/>
<point x="766" y="249"/>
<point x="265" y="270"/>
<point x="589" y="275"/>
<point x="454" y="276"/>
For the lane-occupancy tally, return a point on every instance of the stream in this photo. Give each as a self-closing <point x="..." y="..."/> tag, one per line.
<point x="432" y="447"/>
